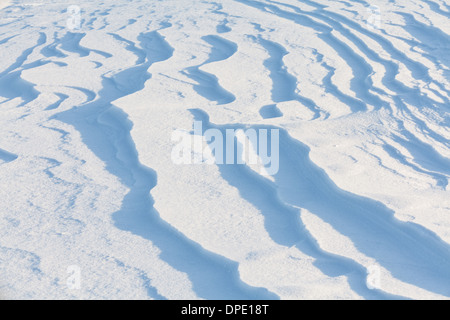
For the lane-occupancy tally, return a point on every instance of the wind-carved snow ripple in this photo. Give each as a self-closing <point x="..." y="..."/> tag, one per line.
<point x="403" y="93"/>
<point x="51" y="49"/>
<point x="436" y="8"/>
<point x="410" y="252"/>
<point x="105" y="129"/>
<point x="11" y="83"/>
<point x="218" y="9"/>
<point x="418" y="70"/>
<point x="71" y="43"/>
<point x="282" y="219"/>
<point x="361" y="83"/>
<point x="62" y="97"/>
<point x="354" y="104"/>
<point x="432" y="40"/>
<point x="208" y="84"/>
<point x="284" y="86"/>
<point x="336" y="22"/>
<point x="7" y="156"/>
<point x="441" y="180"/>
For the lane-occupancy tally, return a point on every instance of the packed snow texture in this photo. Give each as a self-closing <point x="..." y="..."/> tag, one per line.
<point x="93" y="206"/>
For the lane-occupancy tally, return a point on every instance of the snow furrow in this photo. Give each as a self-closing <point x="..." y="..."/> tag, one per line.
<point x="208" y="84"/>
<point x="302" y="184"/>
<point x="93" y="96"/>
<point x="11" y="83"/>
<point x="107" y="134"/>
<point x="411" y="95"/>
<point x="361" y="83"/>
<point x="282" y="218"/>
<point x="284" y="85"/>
<point x="7" y="156"/>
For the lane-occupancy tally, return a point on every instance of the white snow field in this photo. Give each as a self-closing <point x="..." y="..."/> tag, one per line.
<point x="93" y="205"/>
<point x="4" y="3"/>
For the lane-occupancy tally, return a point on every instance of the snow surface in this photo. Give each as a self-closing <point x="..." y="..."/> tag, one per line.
<point x="93" y="207"/>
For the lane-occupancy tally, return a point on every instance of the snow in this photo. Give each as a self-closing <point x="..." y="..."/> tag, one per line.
<point x="93" y="205"/>
<point x="4" y="3"/>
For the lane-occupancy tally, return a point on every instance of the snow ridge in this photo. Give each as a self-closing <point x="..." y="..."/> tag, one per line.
<point x="92" y="95"/>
